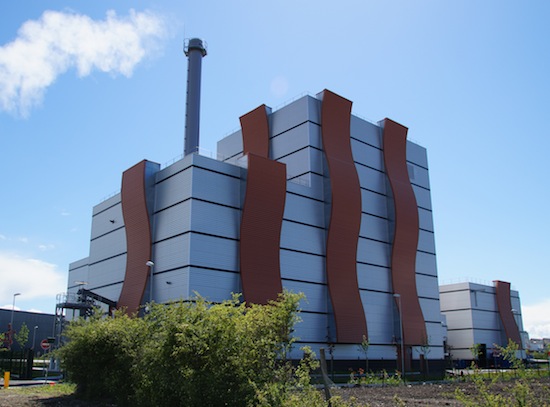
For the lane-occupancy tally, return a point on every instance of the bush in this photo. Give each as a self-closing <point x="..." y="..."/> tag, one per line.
<point x="185" y="353"/>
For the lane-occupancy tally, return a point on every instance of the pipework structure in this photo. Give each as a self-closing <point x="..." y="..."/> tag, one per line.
<point x="195" y="50"/>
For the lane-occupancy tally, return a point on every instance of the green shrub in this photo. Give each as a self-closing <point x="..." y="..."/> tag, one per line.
<point x="185" y="353"/>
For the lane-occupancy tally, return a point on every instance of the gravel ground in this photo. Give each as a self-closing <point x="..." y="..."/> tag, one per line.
<point x="438" y="394"/>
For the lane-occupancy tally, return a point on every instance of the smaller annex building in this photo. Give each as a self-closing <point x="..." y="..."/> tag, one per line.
<point x="308" y="198"/>
<point x="483" y="316"/>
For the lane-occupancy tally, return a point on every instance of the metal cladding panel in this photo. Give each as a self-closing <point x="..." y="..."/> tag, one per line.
<point x="486" y="319"/>
<point x="106" y="221"/>
<point x="366" y="132"/>
<point x="316" y="295"/>
<point x="304" y="238"/>
<point x="430" y="310"/>
<point x="107" y="272"/>
<point x="173" y="190"/>
<point x="379" y="313"/>
<point x="302" y="266"/>
<point x="314" y="190"/>
<point x="305" y="135"/>
<point x="374" y="278"/>
<point x="172" y="285"/>
<point x="138" y="236"/>
<point x="367" y="155"/>
<point x="374" y="227"/>
<point x="111" y="291"/>
<point x="172" y="221"/>
<point x="256" y="121"/>
<point x="417" y="154"/>
<point x="371" y="179"/>
<point x="426" y="263"/>
<point x="373" y="252"/>
<point x="172" y="253"/>
<point x="484" y="300"/>
<point x="262" y="213"/>
<point x="303" y="161"/>
<point x="504" y="304"/>
<point x="214" y="285"/>
<point x="426" y="241"/>
<point x="230" y="146"/>
<point x="459" y="319"/>
<point x="454" y="300"/>
<point x="302" y="209"/>
<point x="425" y="218"/>
<point x="302" y="110"/>
<point x="108" y="245"/>
<point x="214" y="252"/>
<point x="423" y="198"/>
<point x="215" y="219"/>
<point x="345" y="220"/>
<point x="215" y="187"/>
<point x="419" y="176"/>
<point x="374" y="204"/>
<point x="427" y="286"/>
<point x="81" y="273"/>
<point x="261" y="225"/>
<point x="312" y="328"/>
<point x="113" y="200"/>
<point x="404" y="249"/>
<point x="79" y="263"/>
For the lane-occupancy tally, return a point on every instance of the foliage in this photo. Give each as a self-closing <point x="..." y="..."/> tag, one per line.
<point x="101" y="355"/>
<point x="509" y="353"/>
<point x="191" y="354"/>
<point x="362" y="378"/>
<point x="518" y="393"/>
<point x="364" y="347"/>
<point x="22" y="337"/>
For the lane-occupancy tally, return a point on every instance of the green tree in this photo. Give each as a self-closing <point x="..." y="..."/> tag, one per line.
<point x="22" y="337"/>
<point x="364" y="347"/>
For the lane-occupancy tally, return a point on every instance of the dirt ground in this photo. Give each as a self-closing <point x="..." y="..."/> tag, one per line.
<point x="439" y="394"/>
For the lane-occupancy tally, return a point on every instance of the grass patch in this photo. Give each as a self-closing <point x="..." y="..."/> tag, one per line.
<point x="54" y="390"/>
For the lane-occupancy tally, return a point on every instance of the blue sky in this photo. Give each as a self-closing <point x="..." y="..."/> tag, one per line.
<point x="87" y="89"/>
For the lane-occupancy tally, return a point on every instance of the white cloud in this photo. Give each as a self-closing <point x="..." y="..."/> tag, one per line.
<point x="47" y="47"/>
<point x="45" y="247"/>
<point x="536" y="319"/>
<point x="33" y="278"/>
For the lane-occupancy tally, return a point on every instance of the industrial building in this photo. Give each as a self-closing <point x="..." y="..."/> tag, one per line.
<point x="482" y="315"/>
<point x="308" y="198"/>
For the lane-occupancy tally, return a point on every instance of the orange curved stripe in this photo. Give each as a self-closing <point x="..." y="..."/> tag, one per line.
<point x="138" y="237"/>
<point x="504" y="304"/>
<point x="345" y="220"/>
<point x="405" y="241"/>
<point x="262" y="215"/>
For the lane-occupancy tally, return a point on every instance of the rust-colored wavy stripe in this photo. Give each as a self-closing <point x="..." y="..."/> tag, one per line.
<point x="262" y="216"/>
<point x="138" y="237"/>
<point x="345" y="220"/>
<point x="405" y="241"/>
<point x="504" y="304"/>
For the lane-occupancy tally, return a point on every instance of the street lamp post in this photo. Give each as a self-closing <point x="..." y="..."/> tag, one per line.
<point x="11" y="320"/>
<point x="150" y="264"/>
<point x="398" y="297"/>
<point x="34" y="337"/>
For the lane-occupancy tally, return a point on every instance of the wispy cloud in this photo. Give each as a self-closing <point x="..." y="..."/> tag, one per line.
<point x="536" y="319"/>
<point x="48" y="47"/>
<point x="32" y="277"/>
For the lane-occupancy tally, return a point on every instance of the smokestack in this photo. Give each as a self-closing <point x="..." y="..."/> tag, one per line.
<point x="195" y="50"/>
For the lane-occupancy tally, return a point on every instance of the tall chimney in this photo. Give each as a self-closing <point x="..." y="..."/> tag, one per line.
<point x="195" y="50"/>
